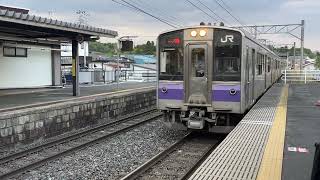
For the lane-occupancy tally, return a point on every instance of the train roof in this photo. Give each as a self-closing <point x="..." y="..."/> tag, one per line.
<point x="243" y="33"/>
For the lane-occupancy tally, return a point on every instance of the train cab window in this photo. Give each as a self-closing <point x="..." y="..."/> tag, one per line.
<point x="198" y="62"/>
<point x="227" y="50"/>
<point x="171" y="64"/>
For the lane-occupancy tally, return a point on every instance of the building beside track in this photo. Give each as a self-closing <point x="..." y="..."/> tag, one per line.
<point x="30" y="47"/>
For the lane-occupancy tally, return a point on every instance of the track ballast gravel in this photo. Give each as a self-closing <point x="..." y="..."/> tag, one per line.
<point x="112" y="158"/>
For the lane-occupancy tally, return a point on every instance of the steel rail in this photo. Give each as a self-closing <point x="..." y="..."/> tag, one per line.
<point x="71" y="137"/>
<point x="147" y="165"/>
<point x="201" y="160"/>
<point x="161" y="156"/>
<point x="38" y="163"/>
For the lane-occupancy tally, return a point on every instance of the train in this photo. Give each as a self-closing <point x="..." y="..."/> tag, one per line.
<point x="210" y="76"/>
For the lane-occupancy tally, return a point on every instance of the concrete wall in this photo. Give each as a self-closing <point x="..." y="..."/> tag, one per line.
<point x="21" y="72"/>
<point x="27" y="125"/>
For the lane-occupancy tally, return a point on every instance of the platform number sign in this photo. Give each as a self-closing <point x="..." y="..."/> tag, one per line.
<point x="227" y="38"/>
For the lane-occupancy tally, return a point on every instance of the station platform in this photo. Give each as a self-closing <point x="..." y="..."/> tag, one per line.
<point x="12" y="99"/>
<point x="275" y="140"/>
<point x="40" y="114"/>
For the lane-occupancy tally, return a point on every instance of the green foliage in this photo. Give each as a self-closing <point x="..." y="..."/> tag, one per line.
<point x="111" y="48"/>
<point x="108" y="49"/>
<point x="306" y="51"/>
<point x="149" y="48"/>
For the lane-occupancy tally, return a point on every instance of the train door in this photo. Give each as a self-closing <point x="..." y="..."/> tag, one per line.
<point x="252" y="75"/>
<point x="249" y="78"/>
<point x="197" y="81"/>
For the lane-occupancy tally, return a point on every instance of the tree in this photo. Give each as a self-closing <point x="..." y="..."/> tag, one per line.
<point x="106" y="48"/>
<point x="111" y="48"/>
<point x="149" y="48"/>
<point x="318" y="60"/>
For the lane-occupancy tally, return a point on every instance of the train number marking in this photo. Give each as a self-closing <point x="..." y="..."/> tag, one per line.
<point x="227" y="38"/>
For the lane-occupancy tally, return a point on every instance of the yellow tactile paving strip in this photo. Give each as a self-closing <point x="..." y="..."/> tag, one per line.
<point x="271" y="165"/>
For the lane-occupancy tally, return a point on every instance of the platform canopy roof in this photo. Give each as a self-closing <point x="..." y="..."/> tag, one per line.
<point x="23" y="26"/>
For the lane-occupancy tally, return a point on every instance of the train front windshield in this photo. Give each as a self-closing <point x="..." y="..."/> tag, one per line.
<point x="227" y="60"/>
<point x="171" y="64"/>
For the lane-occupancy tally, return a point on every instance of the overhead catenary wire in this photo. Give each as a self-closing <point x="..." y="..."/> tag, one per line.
<point x="161" y="12"/>
<point x="125" y="5"/>
<point x="226" y="5"/>
<point x="147" y="13"/>
<point x="194" y="5"/>
<point x="213" y="12"/>
<point x="237" y="19"/>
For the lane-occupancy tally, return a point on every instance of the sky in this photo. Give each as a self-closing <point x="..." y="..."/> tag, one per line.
<point x="110" y="15"/>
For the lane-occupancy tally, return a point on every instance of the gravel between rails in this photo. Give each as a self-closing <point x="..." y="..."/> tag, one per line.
<point x="113" y="158"/>
<point x="181" y="158"/>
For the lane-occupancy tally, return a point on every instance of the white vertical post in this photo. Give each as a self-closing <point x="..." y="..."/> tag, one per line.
<point x="285" y="76"/>
<point x="305" y="76"/>
<point x="85" y="45"/>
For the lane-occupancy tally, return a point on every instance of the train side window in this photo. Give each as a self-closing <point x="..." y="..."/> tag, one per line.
<point x="254" y="60"/>
<point x="259" y="64"/>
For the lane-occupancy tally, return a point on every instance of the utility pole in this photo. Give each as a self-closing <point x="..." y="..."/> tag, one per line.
<point x="287" y="59"/>
<point x="294" y="55"/>
<point x="302" y="43"/>
<point x="83" y="17"/>
<point x="119" y="51"/>
<point x="117" y="71"/>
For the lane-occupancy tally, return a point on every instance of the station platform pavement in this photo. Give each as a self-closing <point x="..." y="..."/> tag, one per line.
<point x="275" y="140"/>
<point x="12" y="99"/>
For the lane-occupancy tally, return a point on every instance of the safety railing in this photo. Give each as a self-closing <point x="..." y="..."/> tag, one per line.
<point x="100" y="76"/>
<point x="300" y="76"/>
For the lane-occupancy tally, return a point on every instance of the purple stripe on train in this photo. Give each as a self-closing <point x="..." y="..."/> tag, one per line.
<point x="222" y="93"/>
<point x="219" y="92"/>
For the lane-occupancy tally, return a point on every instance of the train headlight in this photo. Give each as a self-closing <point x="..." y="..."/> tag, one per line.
<point x="164" y="90"/>
<point x="202" y="33"/>
<point x="233" y="91"/>
<point x="194" y="33"/>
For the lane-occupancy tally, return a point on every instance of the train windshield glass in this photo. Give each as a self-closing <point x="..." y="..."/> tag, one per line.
<point x="171" y="56"/>
<point x="171" y="64"/>
<point x="227" y="45"/>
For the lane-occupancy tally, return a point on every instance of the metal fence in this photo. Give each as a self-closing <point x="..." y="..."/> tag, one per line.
<point x="300" y="76"/>
<point x="100" y="76"/>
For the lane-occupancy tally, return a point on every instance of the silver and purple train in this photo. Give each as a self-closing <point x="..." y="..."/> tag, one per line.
<point x="210" y="76"/>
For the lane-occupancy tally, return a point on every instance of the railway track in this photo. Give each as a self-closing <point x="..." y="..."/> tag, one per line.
<point x="20" y="162"/>
<point x="179" y="160"/>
